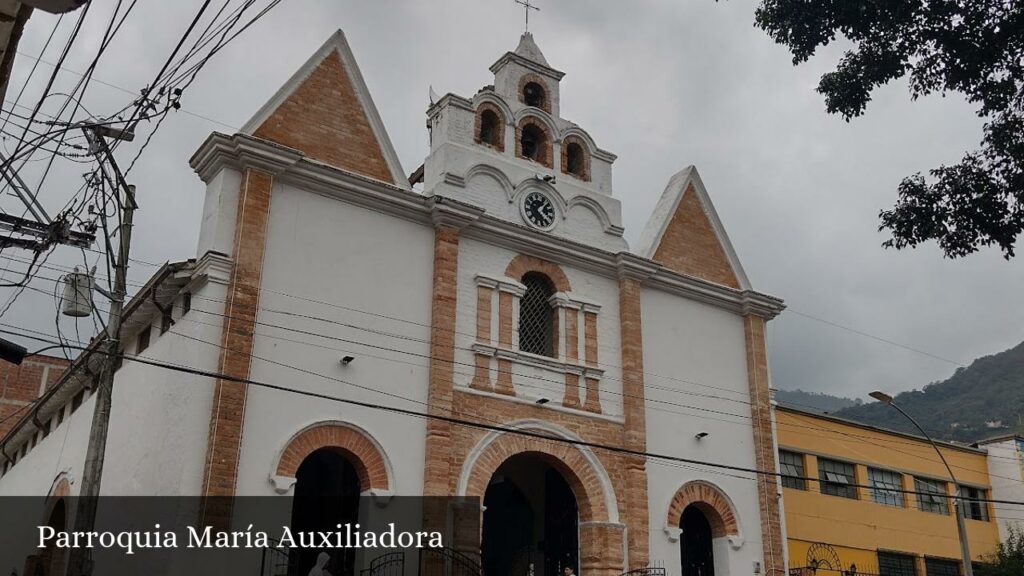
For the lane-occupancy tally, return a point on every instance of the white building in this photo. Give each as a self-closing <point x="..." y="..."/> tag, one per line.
<point x="1006" y="469"/>
<point x="496" y="288"/>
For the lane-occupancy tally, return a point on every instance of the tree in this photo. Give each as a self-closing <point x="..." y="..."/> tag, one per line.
<point x="1008" y="559"/>
<point x="972" y="47"/>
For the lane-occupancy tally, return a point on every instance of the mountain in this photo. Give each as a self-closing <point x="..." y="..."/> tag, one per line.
<point x="814" y="401"/>
<point x="982" y="400"/>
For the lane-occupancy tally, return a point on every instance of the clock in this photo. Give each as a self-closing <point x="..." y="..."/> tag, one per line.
<point x="538" y="211"/>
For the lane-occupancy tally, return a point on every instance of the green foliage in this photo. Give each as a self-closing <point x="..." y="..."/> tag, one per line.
<point x="814" y="401"/>
<point x="973" y="47"/>
<point x="990" y="389"/>
<point x="1008" y="559"/>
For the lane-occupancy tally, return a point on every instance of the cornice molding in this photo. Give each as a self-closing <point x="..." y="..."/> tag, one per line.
<point x="450" y="213"/>
<point x="528" y="64"/>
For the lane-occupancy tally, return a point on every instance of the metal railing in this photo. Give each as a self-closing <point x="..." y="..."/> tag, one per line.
<point x="390" y="564"/>
<point x="448" y="562"/>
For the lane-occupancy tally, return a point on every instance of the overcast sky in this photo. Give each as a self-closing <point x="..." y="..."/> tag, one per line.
<point x="661" y="83"/>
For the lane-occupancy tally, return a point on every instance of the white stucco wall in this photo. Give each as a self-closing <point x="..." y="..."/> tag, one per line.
<point x="1006" y="472"/>
<point x="370" y="277"/>
<point x="696" y="381"/>
<point x="62" y="452"/>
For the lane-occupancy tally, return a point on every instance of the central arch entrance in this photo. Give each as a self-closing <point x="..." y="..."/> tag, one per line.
<point x="531" y="517"/>
<point x="696" y="547"/>
<point x="327" y="492"/>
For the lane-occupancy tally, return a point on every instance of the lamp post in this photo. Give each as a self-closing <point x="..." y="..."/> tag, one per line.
<point x="961" y="529"/>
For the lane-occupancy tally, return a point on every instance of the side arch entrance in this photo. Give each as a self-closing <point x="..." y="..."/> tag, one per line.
<point x="705" y="523"/>
<point x="329" y="465"/>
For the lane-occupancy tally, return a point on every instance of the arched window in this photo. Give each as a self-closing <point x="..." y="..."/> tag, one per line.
<point x="533" y="94"/>
<point x="533" y="143"/>
<point x="490" y="129"/>
<point x="536" y="316"/>
<point x="575" y="160"/>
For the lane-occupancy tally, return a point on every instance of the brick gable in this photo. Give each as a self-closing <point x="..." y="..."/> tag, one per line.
<point x="690" y="246"/>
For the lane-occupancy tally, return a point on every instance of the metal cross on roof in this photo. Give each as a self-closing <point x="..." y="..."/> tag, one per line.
<point x="527" y="6"/>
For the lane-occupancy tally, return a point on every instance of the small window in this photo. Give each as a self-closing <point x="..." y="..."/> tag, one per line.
<point x="166" y="321"/>
<point x="575" y="161"/>
<point x="837" y="478"/>
<point x="490" y="129"/>
<point x="792" y="465"/>
<point x="533" y="94"/>
<point x="536" y="316"/>
<point x="143" y="340"/>
<point x="186" y="303"/>
<point x="931" y="496"/>
<point x="895" y="565"/>
<point x="533" y="143"/>
<point x="885" y="486"/>
<point x="937" y="567"/>
<point x="972" y="508"/>
<point x="60" y="416"/>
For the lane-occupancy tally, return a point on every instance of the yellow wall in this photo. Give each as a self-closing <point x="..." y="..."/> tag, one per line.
<point x="857" y="529"/>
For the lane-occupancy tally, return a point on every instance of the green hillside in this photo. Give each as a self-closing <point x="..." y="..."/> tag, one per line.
<point x="814" y="401"/>
<point x="982" y="400"/>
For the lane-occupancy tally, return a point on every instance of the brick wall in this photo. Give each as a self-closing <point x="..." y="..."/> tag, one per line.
<point x="21" y="385"/>
<point x="689" y="245"/>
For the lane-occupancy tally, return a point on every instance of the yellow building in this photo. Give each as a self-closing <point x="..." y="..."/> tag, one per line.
<point x="847" y="522"/>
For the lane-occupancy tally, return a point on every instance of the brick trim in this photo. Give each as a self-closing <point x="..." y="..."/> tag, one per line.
<point x="530" y="77"/>
<point x="524" y="263"/>
<point x="499" y="135"/>
<point x="635" y="419"/>
<point x="584" y="174"/>
<point x="764" y="445"/>
<point x="356" y="445"/>
<point x="229" y="396"/>
<point x="545" y="157"/>
<point x="570" y="463"/>
<point x="711" y="501"/>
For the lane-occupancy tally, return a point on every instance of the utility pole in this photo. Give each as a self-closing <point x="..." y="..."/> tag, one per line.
<point x="80" y="561"/>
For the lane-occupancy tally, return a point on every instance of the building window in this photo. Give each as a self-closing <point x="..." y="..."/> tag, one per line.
<point x="937" y="567"/>
<point x="490" y="129"/>
<point x="533" y="143"/>
<point x="895" y="565"/>
<point x="792" y="465"/>
<point x="536" y="316"/>
<point x="77" y="400"/>
<point x="931" y="496"/>
<point x="143" y="340"/>
<point x="533" y="95"/>
<point x="166" y="321"/>
<point x="885" y="486"/>
<point x="970" y="505"/>
<point x="837" y="478"/>
<point x="186" y="303"/>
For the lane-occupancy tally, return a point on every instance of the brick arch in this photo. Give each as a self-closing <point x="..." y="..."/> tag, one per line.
<point x="523" y="263"/>
<point x="575" y="468"/>
<point x="546" y="154"/>
<point x="502" y="121"/>
<point x="357" y="446"/>
<point x="584" y="174"/>
<point x="711" y="501"/>
<point x="530" y="77"/>
<point x="60" y="488"/>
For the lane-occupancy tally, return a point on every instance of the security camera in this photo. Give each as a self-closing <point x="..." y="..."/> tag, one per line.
<point x="549" y="178"/>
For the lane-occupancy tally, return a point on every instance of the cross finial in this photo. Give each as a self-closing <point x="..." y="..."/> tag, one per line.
<point x="527" y="6"/>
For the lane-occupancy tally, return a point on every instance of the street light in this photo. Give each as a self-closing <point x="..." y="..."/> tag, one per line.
<point x="961" y="530"/>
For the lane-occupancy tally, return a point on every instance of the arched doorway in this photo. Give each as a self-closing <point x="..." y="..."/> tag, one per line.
<point x="696" y="546"/>
<point x="530" y="517"/>
<point x="51" y="560"/>
<point x="327" y="492"/>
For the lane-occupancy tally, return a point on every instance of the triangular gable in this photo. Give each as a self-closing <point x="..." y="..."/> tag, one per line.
<point x="325" y="112"/>
<point x="685" y="234"/>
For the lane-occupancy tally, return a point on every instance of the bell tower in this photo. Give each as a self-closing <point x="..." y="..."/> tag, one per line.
<point x="508" y="150"/>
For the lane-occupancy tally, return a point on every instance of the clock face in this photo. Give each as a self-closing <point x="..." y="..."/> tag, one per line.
<point x="538" y="211"/>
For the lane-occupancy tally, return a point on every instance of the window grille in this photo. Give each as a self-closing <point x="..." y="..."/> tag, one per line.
<point x="837" y="478"/>
<point x="931" y="496"/>
<point x="895" y="565"/>
<point x="973" y="509"/>
<point x="792" y="464"/>
<point x="936" y="567"/>
<point x="536" y="316"/>
<point x="884" y="486"/>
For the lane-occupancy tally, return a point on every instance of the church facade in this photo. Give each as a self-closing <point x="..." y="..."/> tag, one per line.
<point x="492" y="287"/>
